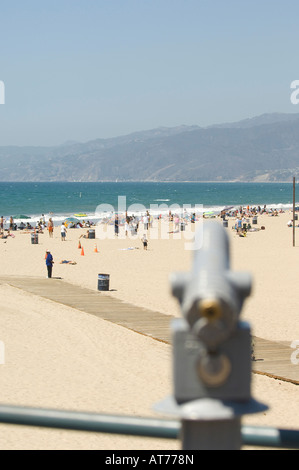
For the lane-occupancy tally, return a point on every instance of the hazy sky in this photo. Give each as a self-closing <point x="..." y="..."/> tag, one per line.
<point x="87" y="69"/>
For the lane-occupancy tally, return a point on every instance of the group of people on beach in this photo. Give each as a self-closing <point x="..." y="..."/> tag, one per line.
<point x="131" y="225"/>
<point x="63" y="228"/>
<point x="11" y="224"/>
<point x="250" y="211"/>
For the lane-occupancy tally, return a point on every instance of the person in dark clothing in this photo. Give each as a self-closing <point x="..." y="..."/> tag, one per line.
<point x="49" y="263"/>
<point x="116" y="225"/>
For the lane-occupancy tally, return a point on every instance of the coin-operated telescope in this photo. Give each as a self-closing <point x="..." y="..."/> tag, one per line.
<point x="211" y="346"/>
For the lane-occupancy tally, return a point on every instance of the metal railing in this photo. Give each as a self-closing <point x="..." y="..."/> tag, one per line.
<point x="135" y="426"/>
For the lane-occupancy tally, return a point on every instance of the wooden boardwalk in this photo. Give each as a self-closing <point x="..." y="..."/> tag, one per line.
<point x="271" y="358"/>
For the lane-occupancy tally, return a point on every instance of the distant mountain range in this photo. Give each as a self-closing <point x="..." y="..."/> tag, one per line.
<point x="262" y="149"/>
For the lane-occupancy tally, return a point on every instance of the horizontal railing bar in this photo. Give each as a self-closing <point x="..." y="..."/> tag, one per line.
<point x="137" y="426"/>
<point x="81" y="421"/>
<point x="270" y="437"/>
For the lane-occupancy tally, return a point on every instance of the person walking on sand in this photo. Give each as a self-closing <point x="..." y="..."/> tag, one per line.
<point x="127" y="225"/>
<point x="63" y="232"/>
<point x="144" y="241"/>
<point x="116" y="225"/>
<point x="49" y="263"/>
<point x="50" y="227"/>
<point x="145" y="221"/>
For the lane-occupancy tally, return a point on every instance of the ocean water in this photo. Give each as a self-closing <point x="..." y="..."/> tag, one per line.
<point x="96" y="200"/>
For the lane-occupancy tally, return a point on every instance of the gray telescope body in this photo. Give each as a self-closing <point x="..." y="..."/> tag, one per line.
<point x="212" y="348"/>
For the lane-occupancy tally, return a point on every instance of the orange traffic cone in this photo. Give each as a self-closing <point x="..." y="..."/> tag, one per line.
<point x="79" y="246"/>
<point x="82" y="251"/>
<point x="95" y="249"/>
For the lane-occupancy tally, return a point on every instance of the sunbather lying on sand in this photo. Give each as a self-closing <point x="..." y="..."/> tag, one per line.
<point x="5" y="235"/>
<point x="85" y="236"/>
<point x="64" y="261"/>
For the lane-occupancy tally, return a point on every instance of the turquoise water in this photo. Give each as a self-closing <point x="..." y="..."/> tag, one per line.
<point x="62" y="199"/>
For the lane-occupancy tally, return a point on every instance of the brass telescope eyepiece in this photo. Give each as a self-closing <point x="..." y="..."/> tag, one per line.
<point x="210" y="309"/>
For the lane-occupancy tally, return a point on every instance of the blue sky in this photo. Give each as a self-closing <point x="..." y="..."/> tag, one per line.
<point x="87" y="69"/>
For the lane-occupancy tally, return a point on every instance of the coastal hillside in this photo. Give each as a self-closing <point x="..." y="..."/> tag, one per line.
<point x="264" y="148"/>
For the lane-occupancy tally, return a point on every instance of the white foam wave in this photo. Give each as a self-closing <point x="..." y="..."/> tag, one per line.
<point x="154" y="209"/>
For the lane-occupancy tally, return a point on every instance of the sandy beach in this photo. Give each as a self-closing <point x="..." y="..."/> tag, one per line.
<point x="58" y="357"/>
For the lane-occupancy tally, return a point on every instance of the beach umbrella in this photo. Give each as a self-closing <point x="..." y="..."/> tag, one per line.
<point x="227" y="208"/>
<point x="21" y="216"/>
<point x="210" y="213"/>
<point x="71" y="220"/>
